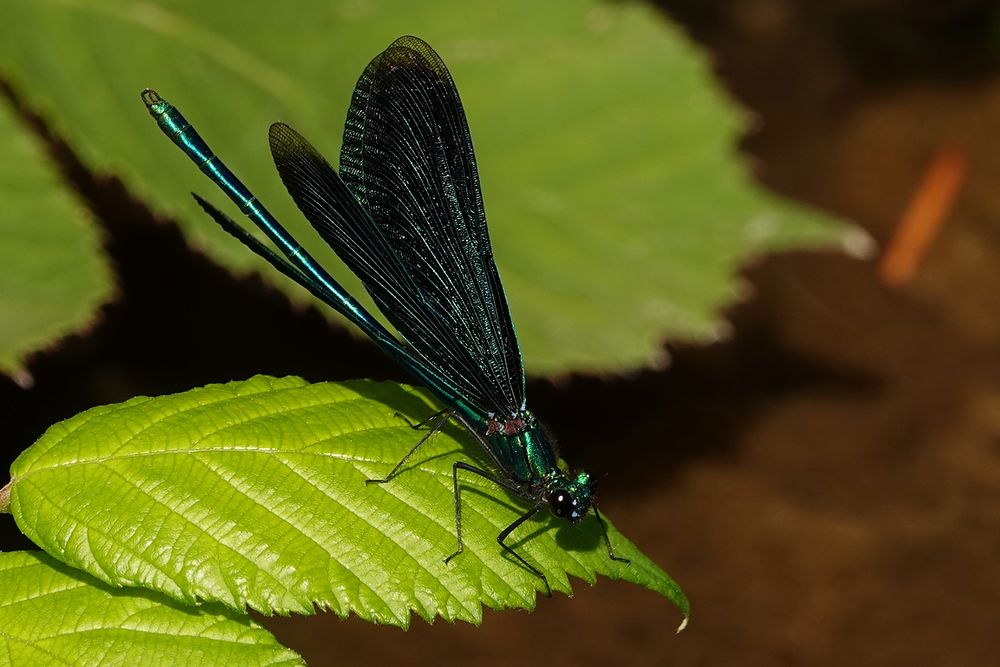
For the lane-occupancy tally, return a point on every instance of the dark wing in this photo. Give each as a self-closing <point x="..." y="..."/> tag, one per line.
<point x="419" y="241"/>
<point x="407" y="156"/>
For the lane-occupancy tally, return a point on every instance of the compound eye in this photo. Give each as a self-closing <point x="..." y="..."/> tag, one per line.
<point x="562" y="503"/>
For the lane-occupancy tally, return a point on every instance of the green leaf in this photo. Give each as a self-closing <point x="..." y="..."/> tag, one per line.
<point x="618" y="210"/>
<point x="51" y="614"/>
<point x="253" y="494"/>
<point x="53" y="275"/>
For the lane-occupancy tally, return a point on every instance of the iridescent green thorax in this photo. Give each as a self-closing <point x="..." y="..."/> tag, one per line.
<point x="529" y="458"/>
<point x="527" y="455"/>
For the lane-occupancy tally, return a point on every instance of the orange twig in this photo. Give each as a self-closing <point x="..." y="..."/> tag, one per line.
<point x="926" y="212"/>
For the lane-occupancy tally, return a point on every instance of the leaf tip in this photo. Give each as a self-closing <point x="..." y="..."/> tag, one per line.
<point x="858" y="244"/>
<point x="684" y="624"/>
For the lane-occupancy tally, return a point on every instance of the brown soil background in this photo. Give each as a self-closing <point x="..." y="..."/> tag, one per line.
<point x="825" y="485"/>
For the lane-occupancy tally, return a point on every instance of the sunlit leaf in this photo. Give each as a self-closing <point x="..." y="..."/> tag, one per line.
<point x="51" y="614"/>
<point x="53" y="274"/>
<point x="253" y="494"/>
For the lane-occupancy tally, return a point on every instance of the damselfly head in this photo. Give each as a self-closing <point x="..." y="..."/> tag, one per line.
<point x="571" y="497"/>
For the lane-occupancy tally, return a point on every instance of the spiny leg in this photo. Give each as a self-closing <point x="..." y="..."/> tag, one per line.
<point x="461" y="465"/>
<point x="508" y="530"/>
<point x="607" y="540"/>
<point x="439" y="420"/>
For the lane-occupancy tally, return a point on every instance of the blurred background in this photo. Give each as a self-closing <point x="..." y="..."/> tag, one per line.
<point x="817" y="463"/>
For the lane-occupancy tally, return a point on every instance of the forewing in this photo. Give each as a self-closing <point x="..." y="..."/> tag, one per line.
<point x="407" y="157"/>
<point x="325" y="201"/>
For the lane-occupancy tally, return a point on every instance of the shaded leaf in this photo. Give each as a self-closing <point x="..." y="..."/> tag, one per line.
<point x="51" y="614"/>
<point x="618" y="210"/>
<point x="53" y="273"/>
<point x="253" y="494"/>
